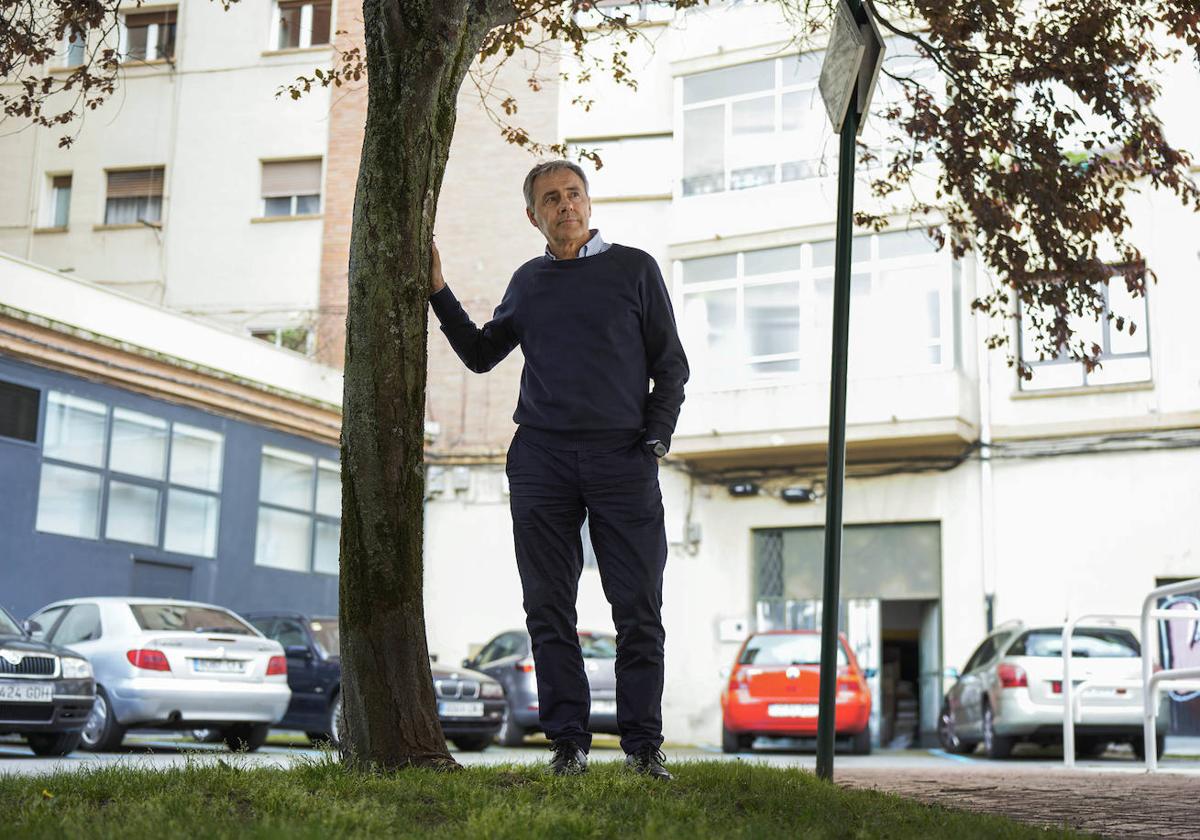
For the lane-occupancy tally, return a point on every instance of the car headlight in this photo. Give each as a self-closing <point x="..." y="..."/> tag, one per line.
<point x="491" y="690"/>
<point x="74" y="668"/>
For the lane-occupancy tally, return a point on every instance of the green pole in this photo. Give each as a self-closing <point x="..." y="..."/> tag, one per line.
<point x="836" y="470"/>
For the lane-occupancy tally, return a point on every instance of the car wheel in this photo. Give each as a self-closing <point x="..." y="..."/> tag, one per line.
<point x="101" y="732"/>
<point x="245" y="737"/>
<point x="335" y="726"/>
<point x="732" y="742"/>
<point x="472" y="743"/>
<point x="948" y="735"/>
<point x="1139" y="747"/>
<point x="862" y="742"/>
<point x="996" y="746"/>
<point x="511" y="733"/>
<point x="53" y="743"/>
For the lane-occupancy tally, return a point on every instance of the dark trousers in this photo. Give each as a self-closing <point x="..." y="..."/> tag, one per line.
<point x="613" y="479"/>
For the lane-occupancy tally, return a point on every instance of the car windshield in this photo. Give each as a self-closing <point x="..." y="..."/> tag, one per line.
<point x="325" y="631"/>
<point x="8" y="627"/>
<point x="598" y="646"/>
<point x="189" y="617"/>
<point x="1092" y="643"/>
<point x="786" y="649"/>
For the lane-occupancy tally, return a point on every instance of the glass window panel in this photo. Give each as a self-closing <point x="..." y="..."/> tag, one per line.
<point x="752" y="176"/>
<point x="903" y="243"/>
<point x="753" y="116"/>
<point x="308" y="204"/>
<point x="704" y="150"/>
<point x="139" y="444"/>
<point x="773" y="318"/>
<point x="287" y="478"/>
<point x="19" y="408"/>
<point x="794" y="107"/>
<point x="823" y="254"/>
<point x="278" y="206"/>
<point x="773" y="260"/>
<point x="75" y="429"/>
<point x="729" y="81"/>
<point x="62" y="206"/>
<point x="704" y="269"/>
<point x="76" y="48"/>
<point x="933" y="314"/>
<point x="69" y="502"/>
<point x="329" y="488"/>
<point x="289" y="27"/>
<point x="196" y="457"/>
<point x="1122" y="304"/>
<point x="135" y="42"/>
<point x="798" y="170"/>
<point x="283" y="540"/>
<point x="132" y="513"/>
<point x="776" y="367"/>
<point x="710" y="334"/>
<point x="935" y="354"/>
<point x="166" y="41"/>
<point x="191" y="523"/>
<point x="802" y="69"/>
<point x="326" y="557"/>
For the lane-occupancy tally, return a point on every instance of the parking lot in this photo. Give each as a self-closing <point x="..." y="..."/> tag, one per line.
<point x="163" y="750"/>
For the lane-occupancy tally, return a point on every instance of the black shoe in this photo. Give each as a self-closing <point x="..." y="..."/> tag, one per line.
<point x="567" y="758"/>
<point x="649" y="762"/>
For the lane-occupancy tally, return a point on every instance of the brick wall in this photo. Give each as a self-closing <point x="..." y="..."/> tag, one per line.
<point x="482" y="234"/>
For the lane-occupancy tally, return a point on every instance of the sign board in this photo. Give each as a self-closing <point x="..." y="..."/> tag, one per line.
<point x="851" y="66"/>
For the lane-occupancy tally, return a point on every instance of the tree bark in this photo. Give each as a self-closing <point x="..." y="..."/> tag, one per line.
<point x="418" y="52"/>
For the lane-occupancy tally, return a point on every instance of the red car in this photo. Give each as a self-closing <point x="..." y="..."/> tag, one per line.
<point x="773" y="690"/>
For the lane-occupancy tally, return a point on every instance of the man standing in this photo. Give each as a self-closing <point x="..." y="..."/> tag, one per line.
<point x="595" y="324"/>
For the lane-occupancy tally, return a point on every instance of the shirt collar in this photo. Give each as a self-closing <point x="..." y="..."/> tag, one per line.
<point x="594" y="246"/>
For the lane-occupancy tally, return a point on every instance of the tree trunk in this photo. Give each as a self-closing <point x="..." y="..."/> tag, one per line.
<point x="418" y="52"/>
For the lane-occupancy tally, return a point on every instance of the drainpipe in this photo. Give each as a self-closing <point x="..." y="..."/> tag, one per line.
<point x="987" y="511"/>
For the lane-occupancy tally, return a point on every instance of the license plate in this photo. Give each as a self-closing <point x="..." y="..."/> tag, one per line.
<point x="219" y="666"/>
<point x="448" y="708"/>
<point x="792" y="710"/>
<point x="27" y="692"/>
<point x="604" y="707"/>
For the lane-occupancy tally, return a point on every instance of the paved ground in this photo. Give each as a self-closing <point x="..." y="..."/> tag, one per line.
<point x="1111" y="796"/>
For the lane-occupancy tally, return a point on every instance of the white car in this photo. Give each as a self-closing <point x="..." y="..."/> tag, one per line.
<point x="170" y="664"/>
<point x="1011" y="691"/>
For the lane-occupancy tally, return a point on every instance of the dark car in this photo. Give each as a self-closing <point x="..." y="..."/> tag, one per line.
<point x="470" y="705"/>
<point x="46" y="692"/>
<point x="507" y="658"/>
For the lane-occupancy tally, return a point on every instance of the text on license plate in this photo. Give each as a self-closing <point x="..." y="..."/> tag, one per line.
<point x="449" y="708"/>
<point x="27" y="693"/>
<point x="219" y="666"/>
<point x="792" y="710"/>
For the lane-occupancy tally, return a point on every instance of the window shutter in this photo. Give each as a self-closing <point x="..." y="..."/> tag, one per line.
<point x="163" y="17"/>
<point x="61" y="182"/>
<point x="291" y="177"/>
<point x="293" y="4"/>
<point x="134" y="183"/>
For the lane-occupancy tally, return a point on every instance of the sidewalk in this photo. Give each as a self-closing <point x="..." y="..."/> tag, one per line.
<point x="1111" y="804"/>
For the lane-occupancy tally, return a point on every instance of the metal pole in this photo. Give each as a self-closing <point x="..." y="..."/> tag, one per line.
<point x="837" y="447"/>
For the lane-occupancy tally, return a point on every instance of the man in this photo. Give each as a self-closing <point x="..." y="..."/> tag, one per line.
<point x="595" y="324"/>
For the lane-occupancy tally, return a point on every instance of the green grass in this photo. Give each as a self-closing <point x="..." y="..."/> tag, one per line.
<point x="320" y="799"/>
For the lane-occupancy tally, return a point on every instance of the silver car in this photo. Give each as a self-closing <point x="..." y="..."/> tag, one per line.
<point x="1010" y="691"/>
<point x="168" y="664"/>
<point x="508" y="659"/>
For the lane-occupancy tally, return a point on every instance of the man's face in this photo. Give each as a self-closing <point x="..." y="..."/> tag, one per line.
<point x="561" y="207"/>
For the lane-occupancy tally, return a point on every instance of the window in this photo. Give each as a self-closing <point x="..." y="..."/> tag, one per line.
<point x="752" y="124"/>
<point x="134" y="195"/>
<point x="765" y="314"/>
<point x="325" y="632"/>
<point x="81" y="624"/>
<point x="150" y="36"/>
<point x="291" y="187"/>
<point x="1123" y="357"/>
<point x="19" y="411"/>
<point x="303" y="23"/>
<point x="157" y="483"/>
<point x="46" y="619"/>
<point x="289" y="633"/>
<point x="289" y="338"/>
<point x="787" y="649"/>
<point x="74" y="47"/>
<point x="982" y="655"/>
<point x="58" y="210"/>
<point x="299" y="513"/>
<point x="1090" y="643"/>
<point x="190" y="618"/>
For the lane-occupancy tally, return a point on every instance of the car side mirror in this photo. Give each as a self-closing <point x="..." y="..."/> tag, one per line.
<point x="31" y="627"/>
<point x="298" y="651"/>
<point x="468" y="663"/>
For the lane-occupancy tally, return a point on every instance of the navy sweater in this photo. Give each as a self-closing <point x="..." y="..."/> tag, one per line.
<point x="594" y="332"/>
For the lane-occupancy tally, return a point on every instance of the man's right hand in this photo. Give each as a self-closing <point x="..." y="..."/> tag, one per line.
<point x="436" y="281"/>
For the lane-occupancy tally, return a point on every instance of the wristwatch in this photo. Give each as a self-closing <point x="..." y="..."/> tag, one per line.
<point x="657" y="447"/>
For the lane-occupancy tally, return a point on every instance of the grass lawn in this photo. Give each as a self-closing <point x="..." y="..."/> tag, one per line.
<point x="319" y="799"/>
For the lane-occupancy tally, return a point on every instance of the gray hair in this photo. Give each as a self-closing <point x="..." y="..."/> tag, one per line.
<point x="546" y="168"/>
